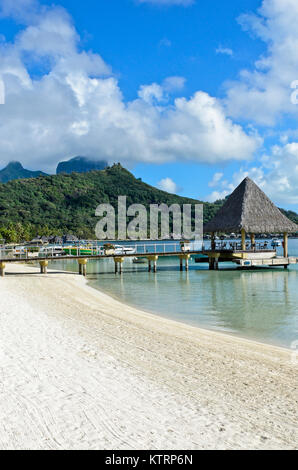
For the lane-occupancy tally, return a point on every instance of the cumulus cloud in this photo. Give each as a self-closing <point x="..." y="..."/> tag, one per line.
<point x="173" y="84"/>
<point x="168" y="185"/>
<point x="21" y="10"/>
<point x="76" y="106"/>
<point x="277" y="175"/>
<point x="263" y="93"/>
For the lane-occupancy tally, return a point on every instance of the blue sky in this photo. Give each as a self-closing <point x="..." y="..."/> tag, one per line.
<point x="191" y="96"/>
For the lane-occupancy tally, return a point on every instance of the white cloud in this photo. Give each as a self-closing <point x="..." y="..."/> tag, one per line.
<point x="171" y="84"/>
<point x="263" y="94"/>
<point x="21" y="10"/>
<point x="168" y="185"/>
<point x="149" y="93"/>
<point x="216" y="178"/>
<point x="77" y="108"/>
<point x="224" y="50"/>
<point x="184" y="3"/>
<point x="277" y="176"/>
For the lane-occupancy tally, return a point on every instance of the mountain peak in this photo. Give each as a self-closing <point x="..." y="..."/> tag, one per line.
<point x="14" y="165"/>
<point x="15" y="170"/>
<point x="80" y="165"/>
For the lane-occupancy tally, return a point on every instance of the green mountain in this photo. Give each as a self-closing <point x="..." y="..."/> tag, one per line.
<point x="15" y="170"/>
<point x="80" y="165"/>
<point x="59" y="204"/>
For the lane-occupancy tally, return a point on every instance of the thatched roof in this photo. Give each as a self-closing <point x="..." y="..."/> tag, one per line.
<point x="250" y="209"/>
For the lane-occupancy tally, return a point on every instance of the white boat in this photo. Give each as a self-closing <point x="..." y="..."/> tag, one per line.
<point x="139" y="260"/>
<point x="255" y="255"/>
<point x="276" y="242"/>
<point x="19" y="250"/>
<point x="56" y="250"/>
<point x="124" y="250"/>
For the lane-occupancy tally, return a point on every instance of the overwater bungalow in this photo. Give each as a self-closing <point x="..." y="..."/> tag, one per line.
<point x="249" y="211"/>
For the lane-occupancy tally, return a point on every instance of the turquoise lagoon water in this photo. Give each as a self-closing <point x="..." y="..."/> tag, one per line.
<point x="259" y="304"/>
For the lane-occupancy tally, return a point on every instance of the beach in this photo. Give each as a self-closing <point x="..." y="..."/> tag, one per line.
<point x="80" y="370"/>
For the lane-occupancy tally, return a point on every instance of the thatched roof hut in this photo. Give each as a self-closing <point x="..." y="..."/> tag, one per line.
<point x="249" y="209"/>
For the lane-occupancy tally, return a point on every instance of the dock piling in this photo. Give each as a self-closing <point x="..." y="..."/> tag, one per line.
<point x="118" y="264"/>
<point x="83" y="266"/>
<point x="43" y="266"/>
<point x="2" y="269"/>
<point x="152" y="259"/>
<point x="186" y="258"/>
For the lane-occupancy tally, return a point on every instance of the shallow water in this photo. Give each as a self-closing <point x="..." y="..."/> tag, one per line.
<point x="261" y="304"/>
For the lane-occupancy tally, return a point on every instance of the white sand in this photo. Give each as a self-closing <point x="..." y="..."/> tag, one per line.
<point x="79" y="370"/>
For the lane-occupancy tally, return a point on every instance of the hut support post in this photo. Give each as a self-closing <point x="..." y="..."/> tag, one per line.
<point x="253" y="240"/>
<point x="212" y="241"/>
<point x="243" y="240"/>
<point x="211" y="264"/>
<point x="286" y="250"/>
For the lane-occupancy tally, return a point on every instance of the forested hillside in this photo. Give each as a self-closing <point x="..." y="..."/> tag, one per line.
<point x="59" y="204"/>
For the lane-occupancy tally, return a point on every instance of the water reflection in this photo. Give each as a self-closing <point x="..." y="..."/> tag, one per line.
<point x="259" y="304"/>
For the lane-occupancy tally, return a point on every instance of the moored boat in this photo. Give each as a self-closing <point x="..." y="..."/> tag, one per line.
<point x="139" y="260"/>
<point x="276" y="242"/>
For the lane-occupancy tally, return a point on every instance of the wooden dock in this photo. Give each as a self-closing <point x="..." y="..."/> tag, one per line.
<point x="243" y="259"/>
<point x="152" y="255"/>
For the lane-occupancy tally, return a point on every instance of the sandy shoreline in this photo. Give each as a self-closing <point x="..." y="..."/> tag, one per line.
<point x="80" y="370"/>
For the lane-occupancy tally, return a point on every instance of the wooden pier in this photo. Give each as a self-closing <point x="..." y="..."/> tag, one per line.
<point x="119" y="258"/>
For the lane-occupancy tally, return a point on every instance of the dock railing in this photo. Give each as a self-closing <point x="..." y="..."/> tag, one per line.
<point x="35" y="252"/>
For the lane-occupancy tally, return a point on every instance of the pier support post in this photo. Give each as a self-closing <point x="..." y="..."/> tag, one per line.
<point x="2" y="268"/>
<point x="43" y="266"/>
<point x="186" y="258"/>
<point x="211" y="264"/>
<point x="286" y="250"/>
<point x="152" y="259"/>
<point x="118" y="264"/>
<point x="83" y="266"/>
